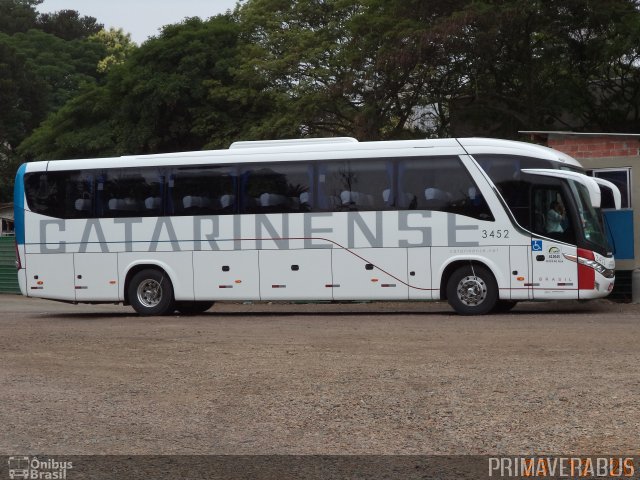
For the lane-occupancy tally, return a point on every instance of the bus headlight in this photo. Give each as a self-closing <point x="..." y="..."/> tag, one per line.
<point x="601" y="269"/>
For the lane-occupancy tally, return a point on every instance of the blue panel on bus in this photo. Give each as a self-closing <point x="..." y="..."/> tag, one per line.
<point x="18" y="204"/>
<point x="620" y="232"/>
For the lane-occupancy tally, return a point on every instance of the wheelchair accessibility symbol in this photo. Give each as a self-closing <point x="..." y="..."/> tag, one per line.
<point x="536" y="245"/>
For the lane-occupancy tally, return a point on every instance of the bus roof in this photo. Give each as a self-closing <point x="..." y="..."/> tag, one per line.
<point x="314" y="149"/>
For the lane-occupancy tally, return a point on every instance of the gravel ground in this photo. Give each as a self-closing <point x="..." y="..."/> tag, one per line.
<point x="374" y="378"/>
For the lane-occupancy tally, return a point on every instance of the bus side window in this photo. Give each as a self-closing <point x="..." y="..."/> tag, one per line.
<point x="79" y="190"/>
<point x="358" y="185"/>
<point x="42" y="194"/>
<point x="440" y="184"/>
<point x="277" y="188"/>
<point x="131" y="192"/>
<point x="208" y="190"/>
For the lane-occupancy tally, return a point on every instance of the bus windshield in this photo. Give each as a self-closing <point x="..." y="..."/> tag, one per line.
<point x="591" y="229"/>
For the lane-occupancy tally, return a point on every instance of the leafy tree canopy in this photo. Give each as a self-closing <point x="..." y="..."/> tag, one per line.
<point x="373" y="69"/>
<point x="177" y="91"/>
<point x="68" y="25"/>
<point x="18" y="15"/>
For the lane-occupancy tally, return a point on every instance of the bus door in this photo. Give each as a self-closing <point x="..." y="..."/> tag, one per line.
<point x="554" y="277"/>
<point x="557" y="220"/>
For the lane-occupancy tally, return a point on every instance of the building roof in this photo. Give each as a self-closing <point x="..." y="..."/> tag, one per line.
<point x="586" y="134"/>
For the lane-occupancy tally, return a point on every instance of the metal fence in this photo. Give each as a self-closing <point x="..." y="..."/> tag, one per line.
<point x="8" y="273"/>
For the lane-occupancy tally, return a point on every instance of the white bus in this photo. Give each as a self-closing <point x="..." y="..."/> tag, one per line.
<point x="481" y="223"/>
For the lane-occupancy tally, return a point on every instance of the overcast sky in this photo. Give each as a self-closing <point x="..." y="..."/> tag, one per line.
<point x="141" y="18"/>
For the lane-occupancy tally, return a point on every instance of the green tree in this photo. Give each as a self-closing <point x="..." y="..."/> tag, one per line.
<point x="68" y="25"/>
<point x="164" y="88"/>
<point x="118" y="45"/>
<point x="176" y="92"/>
<point x="39" y="72"/>
<point x="18" y="15"/>
<point x="22" y="105"/>
<point x="603" y="69"/>
<point x="367" y="68"/>
<point x="547" y="65"/>
<point x="21" y="100"/>
<point x="62" y="65"/>
<point x="82" y="128"/>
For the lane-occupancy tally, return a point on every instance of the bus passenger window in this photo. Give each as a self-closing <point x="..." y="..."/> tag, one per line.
<point x="131" y="192"/>
<point x="78" y="202"/>
<point x="42" y="192"/>
<point x="202" y="191"/>
<point x="440" y="184"/>
<point x="277" y="188"/>
<point x="354" y="185"/>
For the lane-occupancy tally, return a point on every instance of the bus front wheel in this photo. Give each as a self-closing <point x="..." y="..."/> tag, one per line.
<point x="151" y="293"/>
<point x="472" y="290"/>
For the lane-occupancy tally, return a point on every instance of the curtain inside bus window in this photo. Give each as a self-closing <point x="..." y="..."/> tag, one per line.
<point x="246" y="202"/>
<point x="100" y="181"/>
<point x="389" y="194"/>
<point x="170" y="210"/>
<point x="308" y="203"/>
<point x="323" y="199"/>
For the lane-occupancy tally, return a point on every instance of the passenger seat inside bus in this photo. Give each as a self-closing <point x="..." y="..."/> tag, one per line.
<point x="191" y="201"/>
<point x="347" y="197"/>
<point x="83" y="205"/>
<point x="404" y="200"/>
<point x="123" y="204"/>
<point x="152" y="203"/>
<point x="227" y="201"/>
<point x="436" y="199"/>
<point x="271" y="200"/>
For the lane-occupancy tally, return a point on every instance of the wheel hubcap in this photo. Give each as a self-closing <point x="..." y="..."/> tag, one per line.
<point x="472" y="290"/>
<point x="149" y="293"/>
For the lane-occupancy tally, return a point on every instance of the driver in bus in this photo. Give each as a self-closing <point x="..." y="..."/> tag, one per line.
<point x="555" y="218"/>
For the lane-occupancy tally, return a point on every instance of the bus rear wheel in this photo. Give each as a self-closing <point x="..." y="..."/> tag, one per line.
<point x="151" y="293"/>
<point x="193" y="308"/>
<point x="472" y="290"/>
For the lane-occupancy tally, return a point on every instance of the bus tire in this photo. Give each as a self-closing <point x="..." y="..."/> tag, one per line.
<point x="193" y="308"/>
<point x="472" y="291"/>
<point x="151" y="293"/>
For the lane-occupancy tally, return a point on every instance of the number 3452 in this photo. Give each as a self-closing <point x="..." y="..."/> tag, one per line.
<point x="495" y="233"/>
